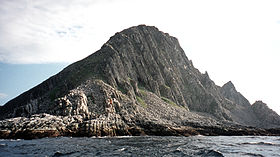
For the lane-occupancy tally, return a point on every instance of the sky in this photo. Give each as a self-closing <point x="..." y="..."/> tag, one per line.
<point x="233" y="40"/>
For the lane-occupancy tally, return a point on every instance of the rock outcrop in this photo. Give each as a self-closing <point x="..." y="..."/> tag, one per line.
<point x="241" y="110"/>
<point x="267" y="117"/>
<point x="228" y="90"/>
<point x="139" y="82"/>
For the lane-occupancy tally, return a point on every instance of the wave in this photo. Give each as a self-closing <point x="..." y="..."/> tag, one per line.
<point x="58" y="153"/>
<point x="122" y="149"/>
<point x="15" y="139"/>
<point x="253" y="154"/>
<point x="111" y="137"/>
<point x="122" y="137"/>
<point x="260" y="143"/>
<point x="208" y="153"/>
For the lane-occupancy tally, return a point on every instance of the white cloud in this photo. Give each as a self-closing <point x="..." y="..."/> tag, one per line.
<point x="233" y="40"/>
<point x="3" y="95"/>
<point x="46" y="31"/>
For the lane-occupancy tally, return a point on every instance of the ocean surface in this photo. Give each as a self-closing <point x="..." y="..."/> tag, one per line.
<point x="144" y="146"/>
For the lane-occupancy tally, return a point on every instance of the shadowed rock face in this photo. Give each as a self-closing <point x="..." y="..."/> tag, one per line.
<point x="139" y="82"/>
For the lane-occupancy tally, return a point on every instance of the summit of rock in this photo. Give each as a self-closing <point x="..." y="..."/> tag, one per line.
<point x="230" y="92"/>
<point x="229" y="86"/>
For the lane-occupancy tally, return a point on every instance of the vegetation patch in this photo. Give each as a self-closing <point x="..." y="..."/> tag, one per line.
<point x="142" y="91"/>
<point x="169" y="101"/>
<point x="141" y="102"/>
<point x="165" y="86"/>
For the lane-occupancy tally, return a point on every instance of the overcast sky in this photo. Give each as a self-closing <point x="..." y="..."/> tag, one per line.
<point x="237" y="40"/>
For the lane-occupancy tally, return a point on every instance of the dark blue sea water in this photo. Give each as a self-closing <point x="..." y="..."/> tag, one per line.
<point x="144" y="146"/>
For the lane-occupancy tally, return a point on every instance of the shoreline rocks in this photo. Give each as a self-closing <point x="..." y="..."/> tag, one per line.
<point x="45" y="125"/>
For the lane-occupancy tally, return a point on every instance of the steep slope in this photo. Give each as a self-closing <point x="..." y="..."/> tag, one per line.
<point x="41" y="98"/>
<point x="139" y="81"/>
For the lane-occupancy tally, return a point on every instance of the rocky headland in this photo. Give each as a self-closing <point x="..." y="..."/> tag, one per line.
<point x="139" y="83"/>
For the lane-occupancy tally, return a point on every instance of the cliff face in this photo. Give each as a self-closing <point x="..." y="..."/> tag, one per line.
<point x="139" y="78"/>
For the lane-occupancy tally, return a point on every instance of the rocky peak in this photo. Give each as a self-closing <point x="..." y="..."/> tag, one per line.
<point x="267" y="116"/>
<point x="132" y="63"/>
<point x="149" y="58"/>
<point x="260" y="104"/>
<point x="137" y="57"/>
<point x="229" y="91"/>
<point x="229" y="86"/>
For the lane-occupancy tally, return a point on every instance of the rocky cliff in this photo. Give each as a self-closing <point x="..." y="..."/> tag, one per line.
<point x="139" y="82"/>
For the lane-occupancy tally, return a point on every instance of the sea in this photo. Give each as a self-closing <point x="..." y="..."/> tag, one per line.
<point x="167" y="146"/>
